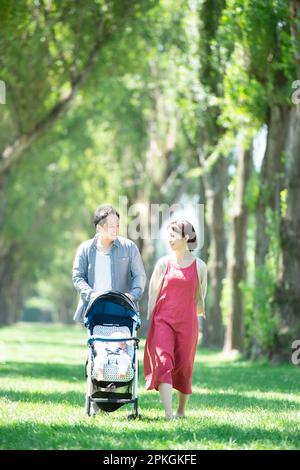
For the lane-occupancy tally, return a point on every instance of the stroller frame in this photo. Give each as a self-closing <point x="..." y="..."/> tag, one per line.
<point x="105" y="398"/>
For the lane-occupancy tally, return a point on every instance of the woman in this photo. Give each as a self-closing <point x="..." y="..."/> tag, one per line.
<point x="176" y="294"/>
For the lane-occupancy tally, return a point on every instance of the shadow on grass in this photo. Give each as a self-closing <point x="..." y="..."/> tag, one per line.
<point x="93" y="435"/>
<point x="65" y="398"/>
<point x="225" y="402"/>
<point x="36" y="370"/>
<point x="231" y="401"/>
<point x="251" y="377"/>
<point x="198" y="401"/>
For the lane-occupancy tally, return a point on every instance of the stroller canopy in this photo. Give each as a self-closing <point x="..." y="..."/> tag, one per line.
<point x="111" y="307"/>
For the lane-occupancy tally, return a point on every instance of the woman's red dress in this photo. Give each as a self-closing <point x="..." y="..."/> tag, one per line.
<point x="173" y="335"/>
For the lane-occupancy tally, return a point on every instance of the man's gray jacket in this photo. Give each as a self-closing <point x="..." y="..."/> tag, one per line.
<point x="127" y="271"/>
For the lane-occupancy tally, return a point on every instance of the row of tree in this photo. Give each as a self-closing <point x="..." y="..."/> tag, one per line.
<point x="153" y="100"/>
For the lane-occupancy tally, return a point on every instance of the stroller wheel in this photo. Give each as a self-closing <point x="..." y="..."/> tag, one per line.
<point x="135" y="411"/>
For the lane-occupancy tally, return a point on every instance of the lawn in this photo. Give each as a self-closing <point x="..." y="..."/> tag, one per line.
<point x="235" y="404"/>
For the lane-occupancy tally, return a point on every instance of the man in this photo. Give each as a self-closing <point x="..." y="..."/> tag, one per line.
<point x="107" y="262"/>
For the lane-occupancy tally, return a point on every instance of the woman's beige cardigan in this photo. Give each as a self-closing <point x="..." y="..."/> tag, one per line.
<point x="157" y="278"/>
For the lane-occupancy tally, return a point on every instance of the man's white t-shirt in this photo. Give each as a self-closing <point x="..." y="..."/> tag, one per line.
<point x="102" y="281"/>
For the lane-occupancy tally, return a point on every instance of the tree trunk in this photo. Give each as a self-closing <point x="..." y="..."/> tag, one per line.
<point x="271" y="184"/>
<point x="206" y="242"/>
<point x="215" y="193"/>
<point x="287" y="296"/>
<point x="234" y="338"/>
<point x="204" y="255"/>
<point x="10" y="294"/>
<point x="272" y="181"/>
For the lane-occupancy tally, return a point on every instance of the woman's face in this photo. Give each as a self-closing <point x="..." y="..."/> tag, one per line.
<point x="176" y="242"/>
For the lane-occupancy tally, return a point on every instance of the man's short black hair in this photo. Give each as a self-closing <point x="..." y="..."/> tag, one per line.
<point x="102" y="212"/>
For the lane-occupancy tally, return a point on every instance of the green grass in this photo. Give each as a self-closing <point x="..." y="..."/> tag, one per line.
<point x="234" y="405"/>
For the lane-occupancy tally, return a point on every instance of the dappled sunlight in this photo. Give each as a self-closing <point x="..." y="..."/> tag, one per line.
<point x="234" y="404"/>
<point x="131" y="131"/>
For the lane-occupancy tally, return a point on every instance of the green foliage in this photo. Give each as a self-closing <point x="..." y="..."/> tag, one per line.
<point x="262" y="27"/>
<point x="258" y="57"/>
<point x="225" y="300"/>
<point x="262" y="322"/>
<point x="96" y="151"/>
<point x="259" y="66"/>
<point x="283" y="202"/>
<point x="38" y="309"/>
<point x="252" y="191"/>
<point x="183" y="80"/>
<point x="244" y="103"/>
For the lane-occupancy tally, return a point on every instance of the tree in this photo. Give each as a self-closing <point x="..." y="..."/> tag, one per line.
<point x="287" y="294"/>
<point x="62" y="57"/>
<point x="266" y="32"/>
<point x="235" y="331"/>
<point x="214" y="163"/>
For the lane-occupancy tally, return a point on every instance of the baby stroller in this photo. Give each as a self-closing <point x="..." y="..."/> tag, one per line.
<point x="112" y="314"/>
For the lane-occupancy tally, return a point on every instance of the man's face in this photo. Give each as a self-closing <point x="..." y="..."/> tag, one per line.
<point x="110" y="229"/>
